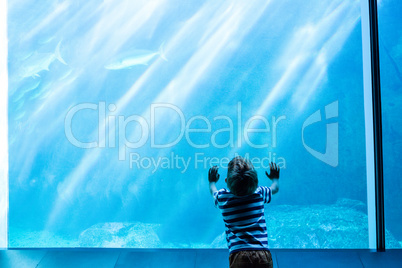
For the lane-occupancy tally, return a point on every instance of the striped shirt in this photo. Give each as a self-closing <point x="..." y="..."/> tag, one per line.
<point x="244" y="218"/>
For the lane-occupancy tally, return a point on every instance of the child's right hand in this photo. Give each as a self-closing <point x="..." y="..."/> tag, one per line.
<point x="213" y="175"/>
<point x="274" y="170"/>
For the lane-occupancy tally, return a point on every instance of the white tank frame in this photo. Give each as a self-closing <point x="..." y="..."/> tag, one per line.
<point x="369" y="125"/>
<point x="3" y="127"/>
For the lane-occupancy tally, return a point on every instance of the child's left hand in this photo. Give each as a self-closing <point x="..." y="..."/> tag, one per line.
<point x="274" y="170"/>
<point x="213" y="175"/>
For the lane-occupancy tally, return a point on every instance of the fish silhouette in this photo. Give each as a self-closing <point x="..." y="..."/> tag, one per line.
<point x="135" y="57"/>
<point x="38" y="62"/>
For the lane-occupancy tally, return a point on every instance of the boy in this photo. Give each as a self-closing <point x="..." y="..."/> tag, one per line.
<point x="243" y="212"/>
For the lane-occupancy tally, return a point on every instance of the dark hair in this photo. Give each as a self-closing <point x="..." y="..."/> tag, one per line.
<point x="242" y="178"/>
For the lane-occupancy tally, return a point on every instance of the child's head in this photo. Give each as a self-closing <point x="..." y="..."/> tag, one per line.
<point x="242" y="178"/>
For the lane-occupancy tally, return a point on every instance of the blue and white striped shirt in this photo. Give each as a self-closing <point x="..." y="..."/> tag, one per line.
<point x="244" y="218"/>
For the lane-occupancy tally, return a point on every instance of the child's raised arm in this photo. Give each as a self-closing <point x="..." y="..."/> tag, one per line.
<point x="213" y="177"/>
<point x="274" y="177"/>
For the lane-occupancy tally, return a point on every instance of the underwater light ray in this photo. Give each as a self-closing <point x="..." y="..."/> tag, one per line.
<point x="57" y="87"/>
<point x="37" y="116"/>
<point x="150" y="11"/>
<point x="310" y="82"/>
<point x="192" y="69"/>
<point x="128" y="23"/>
<point x="75" y="177"/>
<point x="297" y="54"/>
<point x="307" y="39"/>
<point x="277" y="91"/>
<point x="211" y="53"/>
<point x="117" y="201"/>
<point x="54" y="96"/>
<point x="212" y="25"/>
<point x="227" y="30"/>
<point x="198" y="65"/>
<point x="327" y="53"/>
<point x="67" y="187"/>
<point x="184" y="74"/>
<point x="60" y="8"/>
<point x="124" y="100"/>
<point x="280" y="88"/>
<point x="89" y="159"/>
<point x="31" y="149"/>
<point x="181" y="80"/>
<point x="208" y="54"/>
<point x="193" y="22"/>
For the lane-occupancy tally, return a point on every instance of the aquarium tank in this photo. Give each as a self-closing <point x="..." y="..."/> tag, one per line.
<point x="117" y="110"/>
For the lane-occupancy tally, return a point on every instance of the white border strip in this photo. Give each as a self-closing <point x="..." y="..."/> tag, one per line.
<point x="368" y="114"/>
<point x="3" y="126"/>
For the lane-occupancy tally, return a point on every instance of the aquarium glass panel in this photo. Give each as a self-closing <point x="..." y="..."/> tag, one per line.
<point x="390" y="40"/>
<point x="117" y="109"/>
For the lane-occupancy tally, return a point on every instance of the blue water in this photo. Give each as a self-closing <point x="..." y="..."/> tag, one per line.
<point x="117" y="110"/>
<point x="391" y="82"/>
